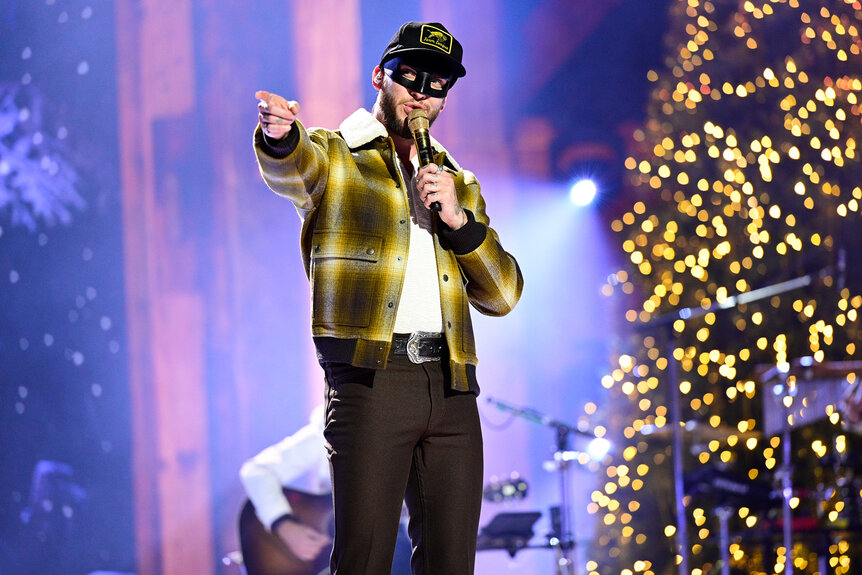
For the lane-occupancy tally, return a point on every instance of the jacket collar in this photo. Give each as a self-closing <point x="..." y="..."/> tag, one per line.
<point x="361" y="127"/>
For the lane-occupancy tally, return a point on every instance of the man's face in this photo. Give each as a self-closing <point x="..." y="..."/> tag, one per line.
<point x="420" y="75"/>
<point x="396" y="100"/>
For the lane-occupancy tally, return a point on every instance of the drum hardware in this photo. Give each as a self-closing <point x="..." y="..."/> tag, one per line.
<point x="802" y="392"/>
<point x="665" y="325"/>
<point x="728" y="491"/>
<point x="508" y="488"/>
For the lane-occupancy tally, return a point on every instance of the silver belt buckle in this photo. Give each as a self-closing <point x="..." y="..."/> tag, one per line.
<point x="413" y="347"/>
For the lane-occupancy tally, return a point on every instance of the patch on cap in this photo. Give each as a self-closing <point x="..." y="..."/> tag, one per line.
<point x="436" y="38"/>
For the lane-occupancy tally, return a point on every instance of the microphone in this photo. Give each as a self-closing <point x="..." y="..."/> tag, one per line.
<point x="417" y="121"/>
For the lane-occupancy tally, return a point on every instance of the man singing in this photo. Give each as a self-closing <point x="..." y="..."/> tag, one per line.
<point x="391" y="284"/>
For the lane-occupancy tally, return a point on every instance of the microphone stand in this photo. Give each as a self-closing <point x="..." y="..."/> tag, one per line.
<point x="564" y="542"/>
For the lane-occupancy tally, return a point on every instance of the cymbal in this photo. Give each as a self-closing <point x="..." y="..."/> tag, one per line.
<point x="698" y="431"/>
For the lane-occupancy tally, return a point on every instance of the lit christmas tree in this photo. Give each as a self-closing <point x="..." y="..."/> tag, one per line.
<point x="743" y="241"/>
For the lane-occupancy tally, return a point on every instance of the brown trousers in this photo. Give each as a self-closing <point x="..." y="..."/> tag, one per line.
<point x="401" y="434"/>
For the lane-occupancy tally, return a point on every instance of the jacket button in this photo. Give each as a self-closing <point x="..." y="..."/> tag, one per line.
<point x="370" y="251"/>
<point x="317" y="248"/>
<point x="403" y="222"/>
<point x="445" y="278"/>
<point x="391" y="304"/>
<point x="448" y="324"/>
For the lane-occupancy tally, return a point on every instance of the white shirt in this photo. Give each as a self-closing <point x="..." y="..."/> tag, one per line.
<point x="419" y="308"/>
<point x="298" y="460"/>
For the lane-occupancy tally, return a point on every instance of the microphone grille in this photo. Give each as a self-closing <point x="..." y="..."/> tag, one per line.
<point x="417" y="120"/>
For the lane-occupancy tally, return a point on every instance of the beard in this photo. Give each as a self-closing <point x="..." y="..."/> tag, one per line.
<point x="389" y="109"/>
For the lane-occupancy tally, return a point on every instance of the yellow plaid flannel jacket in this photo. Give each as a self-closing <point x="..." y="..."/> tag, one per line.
<point x="349" y="192"/>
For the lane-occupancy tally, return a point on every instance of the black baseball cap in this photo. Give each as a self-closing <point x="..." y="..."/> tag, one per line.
<point x="429" y="40"/>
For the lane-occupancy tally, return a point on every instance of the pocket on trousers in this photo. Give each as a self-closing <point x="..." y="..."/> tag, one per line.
<point x="343" y="373"/>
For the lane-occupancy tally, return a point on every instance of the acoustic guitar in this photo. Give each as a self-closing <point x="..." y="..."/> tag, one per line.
<point x="265" y="553"/>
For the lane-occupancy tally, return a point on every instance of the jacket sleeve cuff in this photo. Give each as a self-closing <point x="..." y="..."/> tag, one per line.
<point x="465" y="239"/>
<point x="277" y="148"/>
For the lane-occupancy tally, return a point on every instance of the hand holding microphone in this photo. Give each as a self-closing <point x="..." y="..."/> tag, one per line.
<point x="436" y="186"/>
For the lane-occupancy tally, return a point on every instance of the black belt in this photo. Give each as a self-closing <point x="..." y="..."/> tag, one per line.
<point x="419" y="346"/>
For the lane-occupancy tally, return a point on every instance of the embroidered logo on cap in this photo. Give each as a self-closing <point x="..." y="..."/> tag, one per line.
<point x="436" y="38"/>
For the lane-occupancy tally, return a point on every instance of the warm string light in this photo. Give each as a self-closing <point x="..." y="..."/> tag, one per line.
<point x="747" y="176"/>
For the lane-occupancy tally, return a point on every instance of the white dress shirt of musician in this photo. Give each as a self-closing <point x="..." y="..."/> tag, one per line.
<point x="297" y="461"/>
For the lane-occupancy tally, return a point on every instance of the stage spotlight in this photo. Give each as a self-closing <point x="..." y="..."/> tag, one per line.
<point x="590" y="170"/>
<point x="598" y="448"/>
<point x="583" y="192"/>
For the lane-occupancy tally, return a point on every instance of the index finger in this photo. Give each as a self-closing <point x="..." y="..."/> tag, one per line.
<point x="431" y="168"/>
